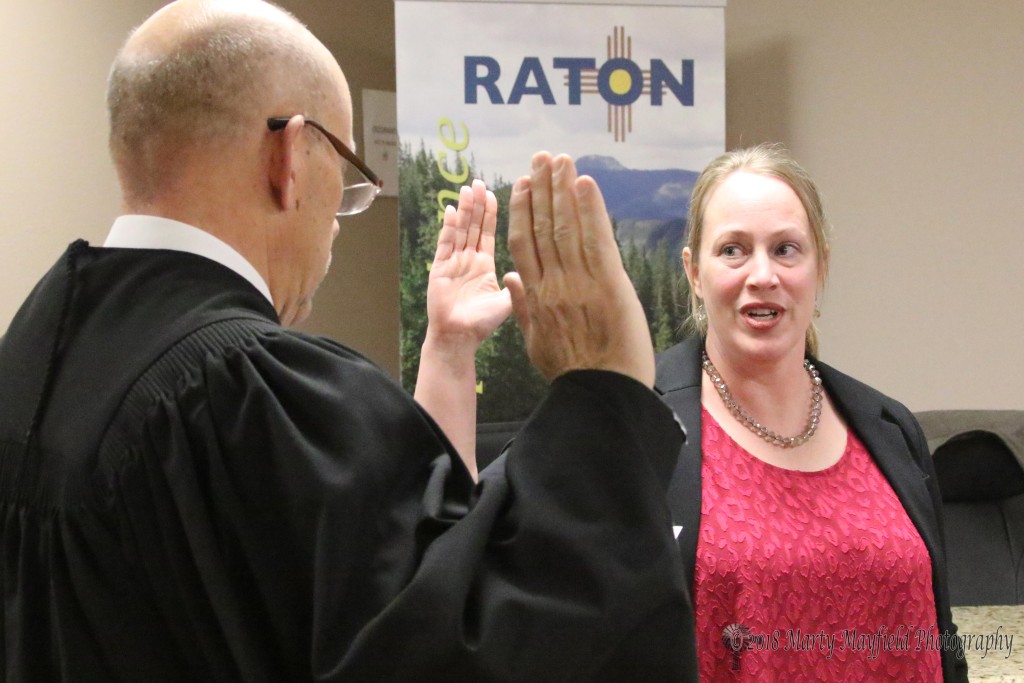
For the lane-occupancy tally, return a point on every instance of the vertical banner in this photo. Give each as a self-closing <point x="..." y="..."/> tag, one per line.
<point x="635" y="93"/>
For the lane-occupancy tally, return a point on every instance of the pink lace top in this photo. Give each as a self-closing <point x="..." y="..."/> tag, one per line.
<point x="809" y="576"/>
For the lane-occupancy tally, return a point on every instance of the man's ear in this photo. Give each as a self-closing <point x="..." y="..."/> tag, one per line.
<point x="692" y="272"/>
<point x="284" y="161"/>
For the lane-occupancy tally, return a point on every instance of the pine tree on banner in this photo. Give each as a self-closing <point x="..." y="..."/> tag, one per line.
<point x="509" y="385"/>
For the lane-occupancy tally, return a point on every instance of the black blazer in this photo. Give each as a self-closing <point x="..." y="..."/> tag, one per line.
<point x="888" y="430"/>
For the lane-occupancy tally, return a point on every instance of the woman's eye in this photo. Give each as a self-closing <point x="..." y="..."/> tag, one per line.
<point x="730" y="250"/>
<point x="786" y="250"/>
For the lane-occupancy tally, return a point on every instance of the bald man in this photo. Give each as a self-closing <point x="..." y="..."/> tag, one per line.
<point x="192" y="491"/>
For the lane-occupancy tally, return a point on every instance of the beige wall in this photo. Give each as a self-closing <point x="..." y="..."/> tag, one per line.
<point x="55" y="179"/>
<point x="908" y="113"/>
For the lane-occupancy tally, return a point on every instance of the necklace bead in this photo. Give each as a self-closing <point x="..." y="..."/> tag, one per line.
<point x="737" y="411"/>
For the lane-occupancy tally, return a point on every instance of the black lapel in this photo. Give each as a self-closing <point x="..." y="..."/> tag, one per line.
<point x="866" y="412"/>
<point x="679" y="380"/>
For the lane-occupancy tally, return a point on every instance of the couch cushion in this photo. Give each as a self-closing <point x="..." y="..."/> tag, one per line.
<point x="977" y="466"/>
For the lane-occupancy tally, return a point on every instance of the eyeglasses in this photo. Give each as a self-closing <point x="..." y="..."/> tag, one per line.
<point x="356" y="196"/>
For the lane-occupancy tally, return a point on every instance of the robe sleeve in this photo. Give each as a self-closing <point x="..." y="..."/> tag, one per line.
<point x="297" y="516"/>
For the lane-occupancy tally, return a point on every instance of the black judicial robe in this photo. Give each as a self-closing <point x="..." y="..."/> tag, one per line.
<point x="191" y="492"/>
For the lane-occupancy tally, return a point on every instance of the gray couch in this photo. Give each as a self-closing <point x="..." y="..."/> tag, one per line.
<point x="979" y="463"/>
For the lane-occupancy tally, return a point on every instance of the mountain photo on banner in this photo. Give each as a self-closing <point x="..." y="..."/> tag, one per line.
<point x="648" y="210"/>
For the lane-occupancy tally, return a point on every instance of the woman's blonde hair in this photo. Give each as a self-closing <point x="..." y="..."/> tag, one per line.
<point x="769" y="159"/>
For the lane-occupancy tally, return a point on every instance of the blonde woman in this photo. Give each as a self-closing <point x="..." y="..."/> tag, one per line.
<point x="810" y="516"/>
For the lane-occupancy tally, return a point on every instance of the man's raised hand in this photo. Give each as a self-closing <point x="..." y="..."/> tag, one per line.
<point x="571" y="295"/>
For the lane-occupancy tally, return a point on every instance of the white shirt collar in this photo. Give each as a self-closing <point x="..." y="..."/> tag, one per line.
<point x="155" y="232"/>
